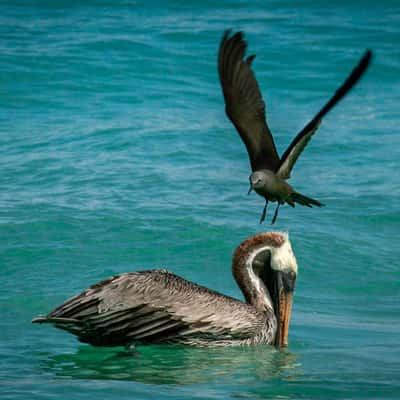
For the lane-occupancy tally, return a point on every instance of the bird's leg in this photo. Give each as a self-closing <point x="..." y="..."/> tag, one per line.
<point x="276" y="213"/>
<point x="264" y="212"/>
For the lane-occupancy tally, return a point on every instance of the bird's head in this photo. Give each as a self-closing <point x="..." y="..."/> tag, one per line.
<point x="257" y="181"/>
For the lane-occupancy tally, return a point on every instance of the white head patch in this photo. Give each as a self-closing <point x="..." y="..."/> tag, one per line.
<point x="282" y="257"/>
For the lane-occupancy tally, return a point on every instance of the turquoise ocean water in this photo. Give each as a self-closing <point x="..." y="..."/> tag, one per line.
<point x="116" y="155"/>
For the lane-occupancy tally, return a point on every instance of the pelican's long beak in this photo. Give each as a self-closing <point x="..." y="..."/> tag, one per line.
<point x="250" y="189"/>
<point x="283" y="299"/>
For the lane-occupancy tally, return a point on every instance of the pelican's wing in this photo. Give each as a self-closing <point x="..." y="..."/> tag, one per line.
<point x="292" y="153"/>
<point x="153" y="306"/>
<point x="243" y="102"/>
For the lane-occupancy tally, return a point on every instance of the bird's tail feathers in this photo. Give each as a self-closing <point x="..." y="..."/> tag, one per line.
<point x="72" y="325"/>
<point x="304" y="200"/>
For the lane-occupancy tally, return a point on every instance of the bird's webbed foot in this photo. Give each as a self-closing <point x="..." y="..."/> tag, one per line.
<point x="264" y="212"/>
<point x="275" y="214"/>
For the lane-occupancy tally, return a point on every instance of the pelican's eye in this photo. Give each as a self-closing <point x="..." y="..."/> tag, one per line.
<point x="292" y="275"/>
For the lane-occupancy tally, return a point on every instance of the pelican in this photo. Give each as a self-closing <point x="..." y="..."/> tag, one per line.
<point x="157" y="306"/>
<point x="245" y="108"/>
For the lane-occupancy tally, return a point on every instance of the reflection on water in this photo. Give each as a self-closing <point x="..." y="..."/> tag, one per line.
<point x="176" y="364"/>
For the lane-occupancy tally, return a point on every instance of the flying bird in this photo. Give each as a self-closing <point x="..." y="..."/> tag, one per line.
<point x="246" y="110"/>
<point x="156" y="306"/>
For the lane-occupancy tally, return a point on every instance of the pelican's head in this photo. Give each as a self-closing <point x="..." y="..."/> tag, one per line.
<point x="268" y="264"/>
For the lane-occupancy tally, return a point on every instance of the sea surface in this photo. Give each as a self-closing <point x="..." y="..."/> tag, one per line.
<point x="116" y="155"/>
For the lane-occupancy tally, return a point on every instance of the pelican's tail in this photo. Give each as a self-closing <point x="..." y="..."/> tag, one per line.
<point x="54" y="320"/>
<point x="72" y="325"/>
<point x="296" y="197"/>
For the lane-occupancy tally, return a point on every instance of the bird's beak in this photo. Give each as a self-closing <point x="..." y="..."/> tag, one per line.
<point x="284" y="287"/>
<point x="250" y="189"/>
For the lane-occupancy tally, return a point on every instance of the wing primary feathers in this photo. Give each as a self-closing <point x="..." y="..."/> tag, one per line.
<point x="244" y="105"/>
<point x="298" y="144"/>
<point x="353" y="78"/>
<point x="250" y="59"/>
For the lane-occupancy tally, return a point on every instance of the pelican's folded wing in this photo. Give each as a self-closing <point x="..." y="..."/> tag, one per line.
<point x="153" y="306"/>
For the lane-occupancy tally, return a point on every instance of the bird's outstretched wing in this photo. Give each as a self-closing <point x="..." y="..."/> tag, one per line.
<point x="153" y="306"/>
<point x="298" y="144"/>
<point x="243" y="102"/>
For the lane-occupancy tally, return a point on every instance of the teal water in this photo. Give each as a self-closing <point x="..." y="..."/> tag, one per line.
<point x="116" y="155"/>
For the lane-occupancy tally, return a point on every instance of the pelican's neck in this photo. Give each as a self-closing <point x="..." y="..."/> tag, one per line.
<point x="272" y="247"/>
<point x="253" y="288"/>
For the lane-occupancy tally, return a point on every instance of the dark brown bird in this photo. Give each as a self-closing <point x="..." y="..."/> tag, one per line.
<point x="246" y="109"/>
<point x="156" y="306"/>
